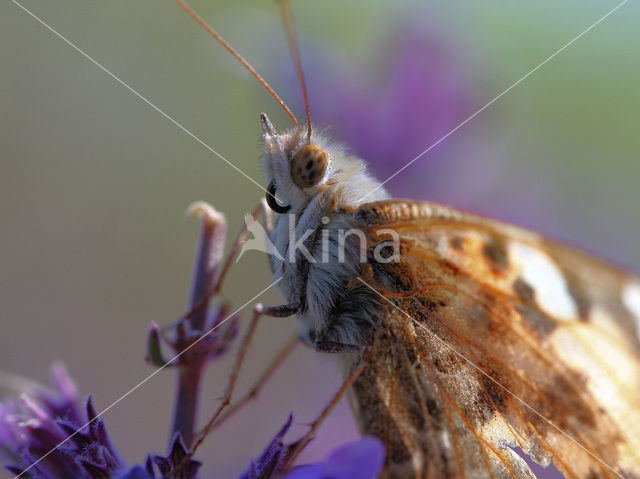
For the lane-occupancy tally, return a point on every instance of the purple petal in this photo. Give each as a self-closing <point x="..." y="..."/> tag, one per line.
<point x="63" y="402"/>
<point x="36" y="429"/>
<point x="310" y="471"/>
<point x="63" y="383"/>
<point x="177" y="453"/>
<point x="136" y="472"/>
<point x="271" y="459"/>
<point x="361" y="459"/>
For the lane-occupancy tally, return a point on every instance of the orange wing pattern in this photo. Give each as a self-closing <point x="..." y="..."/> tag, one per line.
<point x="495" y="339"/>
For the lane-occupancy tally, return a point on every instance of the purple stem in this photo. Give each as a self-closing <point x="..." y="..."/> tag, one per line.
<point x="186" y="406"/>
<point x="192" y="363"/>
<point x="208" y="258"/>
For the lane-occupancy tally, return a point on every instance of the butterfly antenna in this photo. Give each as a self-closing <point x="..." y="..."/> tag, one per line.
<point x="238" y="57"/>
<point x="286" y="15"/>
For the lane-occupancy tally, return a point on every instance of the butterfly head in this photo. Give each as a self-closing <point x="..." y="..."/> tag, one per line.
<point x="298" y="169"/>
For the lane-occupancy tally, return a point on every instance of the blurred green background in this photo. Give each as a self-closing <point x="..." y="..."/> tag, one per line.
<point x="94" y="183"/>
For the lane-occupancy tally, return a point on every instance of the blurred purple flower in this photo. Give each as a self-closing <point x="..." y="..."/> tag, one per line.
<point x="360" y="459"/>
<point x="421" y="87"/>
<point x="273" y="457"/>
<point x="420" y="91"/>
<point x="33" y="427"/>
<point x="167" y="464"/>
<point x="137" y="472"/>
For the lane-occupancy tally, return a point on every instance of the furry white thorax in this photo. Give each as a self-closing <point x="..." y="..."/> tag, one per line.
<point x="320" y="284"/>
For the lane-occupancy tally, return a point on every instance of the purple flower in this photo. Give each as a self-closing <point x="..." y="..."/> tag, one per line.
<point x="360" y="459"/>
<point x="63" y="400"/>
<point x="173" y="460"/>
<point x="273" y="457"/>
<point x="419" y="90"/>
<point x="48" y="425"/>
<point x="34" y="428"/>
<point x="137" y="472"/>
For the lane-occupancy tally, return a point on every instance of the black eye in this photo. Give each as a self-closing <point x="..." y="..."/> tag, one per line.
<point x="273" y="202"/>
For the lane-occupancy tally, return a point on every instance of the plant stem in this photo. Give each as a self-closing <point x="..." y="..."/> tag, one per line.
<point x="192" y="364"/>
<point x="186" y="402"/>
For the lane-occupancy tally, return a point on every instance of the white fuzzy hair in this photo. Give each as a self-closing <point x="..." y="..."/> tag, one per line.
<point x="318" y="285"/>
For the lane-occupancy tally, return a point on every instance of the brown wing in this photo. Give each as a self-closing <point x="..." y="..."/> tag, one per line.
<point x="496" y="339"/>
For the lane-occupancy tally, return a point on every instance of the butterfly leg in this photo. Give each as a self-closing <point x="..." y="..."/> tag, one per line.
<point x="353" y="375"/>
<point x="259" y="310"/>
<point x="264" y="377"/>
<point x="333" y="347"/>
<point x="281" y="311"/>
<point x="286" y="310"/>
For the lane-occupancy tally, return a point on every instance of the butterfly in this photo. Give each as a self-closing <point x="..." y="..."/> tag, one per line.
<point x="484" y="337"/>
<point x="479" y="337"/>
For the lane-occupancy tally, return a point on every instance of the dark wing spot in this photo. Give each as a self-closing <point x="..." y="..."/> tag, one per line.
<point x="440" y="365"/>
<point x="495" y="394"/>
<point x="567" y="403"/>
<point x="495" y="254"/>
<point x="538" y="321"/>
<point x="457" y="243"/>
<point x="580" y="297"/>
<point x="524" y="291"/>
<point x="434" y="410"/>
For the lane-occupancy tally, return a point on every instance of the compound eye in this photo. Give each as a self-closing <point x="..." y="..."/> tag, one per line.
<point x="309" y="165"/>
